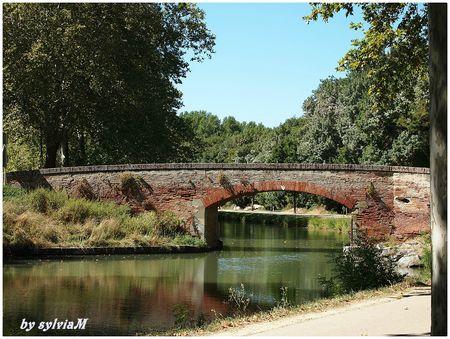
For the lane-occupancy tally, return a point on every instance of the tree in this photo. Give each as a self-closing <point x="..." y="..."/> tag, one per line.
<point x="438" y="168"/>
<point x="97" y="81"/>
<point x="228" y="140"/>
<point x="392" y="59"/>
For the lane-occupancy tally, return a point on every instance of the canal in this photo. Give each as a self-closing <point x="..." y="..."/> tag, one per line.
<point x="130" y="294"/>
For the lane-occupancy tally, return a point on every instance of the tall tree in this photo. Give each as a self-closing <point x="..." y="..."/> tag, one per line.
<point x="393" y="56"/>
<point x="97" y="81"/>
<point x="438" y="168"/>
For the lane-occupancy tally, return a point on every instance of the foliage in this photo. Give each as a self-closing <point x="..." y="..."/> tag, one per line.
<point x="361" y="266"/>
<point x="228" y="140"/>
<point x="392" y="58"/>
<point x="95" y="83"/>
<point x="223" y="180"/>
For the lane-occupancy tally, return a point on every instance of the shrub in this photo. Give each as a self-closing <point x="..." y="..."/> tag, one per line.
<point x="362" y="266"/>
<point x="13" y="192"/>
<point x="83" y="189"/>
<point x="44" y="200"/>
<point x="426" y="257"/>
<point x="182" y="315"/>
<point x="129" y="184"/>
<point x="188" y="240"/>
<point x="223" y="180"/>
<point x="371" y="191"/>
<point x="79" y="210"/>
<point x="167" y="224"/>
<point x="106" y="233"/>
<point x="143" y="224"/>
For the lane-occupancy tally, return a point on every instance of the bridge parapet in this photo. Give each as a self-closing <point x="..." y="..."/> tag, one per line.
<point x="227" y="166"/>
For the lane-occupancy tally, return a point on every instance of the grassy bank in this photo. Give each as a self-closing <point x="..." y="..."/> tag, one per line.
<point x="221" y="323"/>
<point x="47" y="219"/>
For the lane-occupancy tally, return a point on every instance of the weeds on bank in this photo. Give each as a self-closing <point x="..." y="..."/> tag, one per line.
<point x="330" y="224"/>
<point x="43" y="219"/>
<point x="226" y="322"/>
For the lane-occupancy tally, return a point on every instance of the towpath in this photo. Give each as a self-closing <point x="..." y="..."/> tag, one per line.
<point x="406" y="314"/>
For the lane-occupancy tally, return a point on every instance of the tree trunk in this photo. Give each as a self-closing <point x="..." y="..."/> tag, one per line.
<point x="51" y="148"/>
<point x="438" y="165"/>
<point x="81" y="150"/>
<point x="64" y="149"/>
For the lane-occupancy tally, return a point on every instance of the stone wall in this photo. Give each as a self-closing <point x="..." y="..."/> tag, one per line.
<point x="386" y="200"/>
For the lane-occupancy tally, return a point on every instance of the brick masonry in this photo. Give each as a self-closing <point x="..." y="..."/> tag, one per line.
<point x="398" y="205"/>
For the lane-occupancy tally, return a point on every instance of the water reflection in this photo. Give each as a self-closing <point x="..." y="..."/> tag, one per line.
<point x="130" y="294"/>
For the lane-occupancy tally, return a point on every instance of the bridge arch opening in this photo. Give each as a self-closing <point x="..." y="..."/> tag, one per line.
<point x="208" y="212"/>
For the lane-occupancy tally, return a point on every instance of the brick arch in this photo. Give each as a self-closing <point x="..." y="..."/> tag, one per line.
<point x="218" y="196"/>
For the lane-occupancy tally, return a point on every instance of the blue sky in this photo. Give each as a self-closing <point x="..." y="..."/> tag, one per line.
<point x="267" y="61"/>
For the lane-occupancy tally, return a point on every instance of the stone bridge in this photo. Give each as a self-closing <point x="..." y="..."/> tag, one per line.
<point x="384" y="200"/>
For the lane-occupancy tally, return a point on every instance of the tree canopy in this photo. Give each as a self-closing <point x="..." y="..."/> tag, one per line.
<point x="97" y="81"/>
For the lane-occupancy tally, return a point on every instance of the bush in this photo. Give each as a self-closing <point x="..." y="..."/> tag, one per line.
<point x="44" y="200"/>
<point x="167" y="224"/>
<point x="79" y="210"/>
<point x="143" y="224"/>
<point x="362" y="266"/>
<point x="84" y="190"/>
<point x="13" y="192"/>
<point x="129" y="184"/>
<point x="188" y="240"/>
<point x="107" y="232"/>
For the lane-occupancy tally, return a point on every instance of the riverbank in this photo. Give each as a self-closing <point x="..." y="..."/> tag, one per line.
<point x="241" y="325"/>
<point x="50" y="222"/>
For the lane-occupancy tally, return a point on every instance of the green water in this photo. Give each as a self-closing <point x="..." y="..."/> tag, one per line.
<point x="125" y="295"/>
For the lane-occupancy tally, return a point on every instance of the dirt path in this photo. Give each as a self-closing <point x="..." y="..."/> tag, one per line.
<point x="408" y="314"/>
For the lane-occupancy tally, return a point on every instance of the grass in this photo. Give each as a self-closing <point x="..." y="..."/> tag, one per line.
<point x="221" y="323"/>
<point x="47" y="219"/>
<point x="330" y="224"/>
